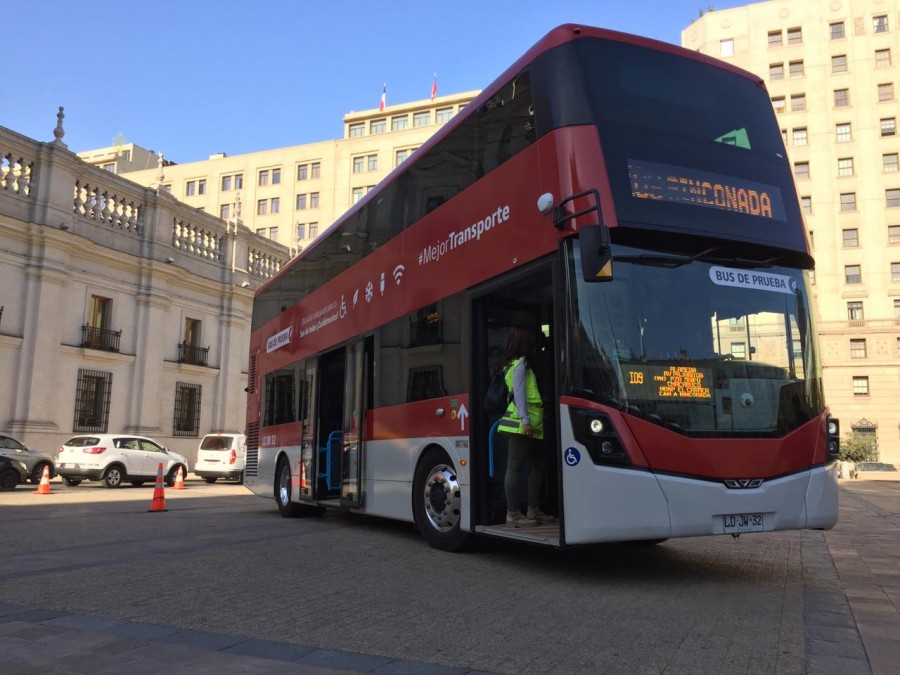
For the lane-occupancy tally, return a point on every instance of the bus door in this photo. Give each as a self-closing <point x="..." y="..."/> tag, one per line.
<point x="308" y="443"/>
<point x="329" y="427"/>
<point x="357" y="390"/>
<point x="524" y="299"/>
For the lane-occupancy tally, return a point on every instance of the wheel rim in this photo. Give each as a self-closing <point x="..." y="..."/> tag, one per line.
<point x="284" y="486"/>
<point x="114" y="477"/>
<point x="442" y="498"/>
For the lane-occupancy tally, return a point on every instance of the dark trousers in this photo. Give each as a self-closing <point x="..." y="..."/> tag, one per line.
<point x="522" y="449"/>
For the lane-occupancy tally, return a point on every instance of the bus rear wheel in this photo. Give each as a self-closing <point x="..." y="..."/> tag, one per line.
<point x="437" y="502"/>
<point x="286" y="507"/>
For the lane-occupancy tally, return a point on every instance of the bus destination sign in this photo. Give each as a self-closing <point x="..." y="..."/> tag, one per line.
<point x="668" y="382"/>
<point x="665" y="182"/>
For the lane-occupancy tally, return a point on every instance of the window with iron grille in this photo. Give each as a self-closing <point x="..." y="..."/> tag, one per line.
<point x="425" y="382"/>
<point x="92" y="396"/>
<point x="187" y="409"/>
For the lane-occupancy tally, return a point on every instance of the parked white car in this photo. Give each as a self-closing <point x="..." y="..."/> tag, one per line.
<point x="222" y="455"/>
<point x="114" y="459"/>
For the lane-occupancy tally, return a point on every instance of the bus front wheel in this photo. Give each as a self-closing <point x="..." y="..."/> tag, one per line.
<point x="286" y="507"/>
<point x="437" y="502"/>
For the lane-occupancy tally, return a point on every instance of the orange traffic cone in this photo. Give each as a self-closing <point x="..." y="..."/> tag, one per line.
<point x="303" y="484"/>
<point x="179" y="480"/>
<point x="44" y="487"/>
<point x="159" y="493"/>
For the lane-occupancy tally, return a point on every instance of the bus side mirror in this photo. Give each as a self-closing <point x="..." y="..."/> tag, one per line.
<point x="596" y="253"/>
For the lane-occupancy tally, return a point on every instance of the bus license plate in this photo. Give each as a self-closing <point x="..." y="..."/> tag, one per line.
<point x="743" y="522"/>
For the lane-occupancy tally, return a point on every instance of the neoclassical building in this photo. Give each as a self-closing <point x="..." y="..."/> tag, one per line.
<point x="831" y="71"/>
<point x="121" y="308"/>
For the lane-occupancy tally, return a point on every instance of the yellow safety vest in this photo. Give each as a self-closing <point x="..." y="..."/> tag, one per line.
<point x="511" y="423"/>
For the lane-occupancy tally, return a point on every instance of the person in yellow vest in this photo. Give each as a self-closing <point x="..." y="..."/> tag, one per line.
<point x="523" y="423"/>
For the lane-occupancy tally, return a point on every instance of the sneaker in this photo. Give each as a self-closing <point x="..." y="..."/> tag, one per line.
<point x="540" y="517"/>
<point x="516" y="519"/>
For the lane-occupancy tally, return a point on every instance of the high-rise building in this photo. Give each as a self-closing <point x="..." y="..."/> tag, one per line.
<point x="831" y="71"/>
<point x="292" y="194"/>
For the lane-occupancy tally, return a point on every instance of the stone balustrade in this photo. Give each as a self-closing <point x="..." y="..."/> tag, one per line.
<point x="46" y="184"/>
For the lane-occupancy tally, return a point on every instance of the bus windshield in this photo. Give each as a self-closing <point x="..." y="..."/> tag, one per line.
<point x="709" y="345"/>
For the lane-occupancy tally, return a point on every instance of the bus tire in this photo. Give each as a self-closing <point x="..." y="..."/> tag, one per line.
<point x="437" y="502"/>
<point x="286" y="507"/>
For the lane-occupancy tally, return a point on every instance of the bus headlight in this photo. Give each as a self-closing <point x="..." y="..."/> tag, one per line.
<point x="596" y="433"/>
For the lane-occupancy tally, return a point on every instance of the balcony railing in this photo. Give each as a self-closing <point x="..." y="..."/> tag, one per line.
<point x="195" y="356"/>
<point x="100" y="338"/>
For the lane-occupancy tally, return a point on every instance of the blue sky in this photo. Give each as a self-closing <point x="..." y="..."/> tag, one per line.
<point x="190" y="78"/>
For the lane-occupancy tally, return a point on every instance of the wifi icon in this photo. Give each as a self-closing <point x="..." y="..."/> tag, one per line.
<point x="398" y="273"/>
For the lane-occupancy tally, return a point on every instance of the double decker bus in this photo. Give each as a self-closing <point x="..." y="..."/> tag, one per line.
<point x="630" y="201"/>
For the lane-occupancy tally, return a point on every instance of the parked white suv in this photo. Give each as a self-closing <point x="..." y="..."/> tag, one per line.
<point x="114" y="459"/>
<point x="222" y="455"/>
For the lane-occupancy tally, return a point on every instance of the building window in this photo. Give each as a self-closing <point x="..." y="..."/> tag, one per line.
<point x="845" y="166"/>
<point x="882" y="58"/>
<point x="784" y="137"/>
<point x="262" y="207"/>
<point x="895" y="271"/>
<point x="377" y="127"/>
<point x="399" y="123"/>
<point x="897" y="310"/>
<point x="892" y="198"/>
<point x="301" y="231"/>
<point x="359" y="164"/>
<point x="422" y="119"/>
<point x="776" y="71"/>
<point x="263" y="178"/>
<point x="812" y="277"/>
<point x="850" y="237"/>
<point x="109" y="167"/>
<point x="880" y="24"/>
<point x="357" y="194"/>
<point x="357" y="130"/>
<point x="894" y="234"/>
<point x="800" y="136"/>
<point x="187" y="409"/>
<point x="795" y="36"/>
<point x="801" y="169"/>
<point x="92" y="397"/>
<point x="812" y="238"/>
<point x="301" y="202"/>
<point x="232" y="182"/>
<point x="839" y="63"/>
<point x="400" y="156"/>
<point x="798" y="102"/>
<point x="848" y="201"/>
<point x="860" y="386"/>
<point x="775" y="38"/>
<point x="778" y="103"/>
<point x="443" y="115"/>
<point x="261" y="231"/>
<point x="855" y="310"/>
<point x="273" y="233"/>
<point x="889" y="162"/>
<point x="857" y="349"/>
<point x="313" y="230"/>
<point x="195" y="187"/>
<point x="841" y="98"/>
<point x="726" y="47"/>
<point x="275" y="205"/>
<point x="739" y="350"/>
<point x="372" y="163"/>
<point x="843" y="132"/>
<point x="795" y="68"/>
<point x="303" y="172"/>
<point x="225" y="211"/>
<point x="852" y="274"/>
<point x="885" y="92"/>
<point x="276" y="176"/>
<point x="806" y="204"/>
<point x="314" y="170"/>
<point x="888" y="126"/>
<point x="313" y="200"/>
<point x="836" y="30"/>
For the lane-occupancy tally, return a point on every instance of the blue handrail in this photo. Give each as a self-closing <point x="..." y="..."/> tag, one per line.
<point x="334" y="435"/>
<point x="491" y="448"/>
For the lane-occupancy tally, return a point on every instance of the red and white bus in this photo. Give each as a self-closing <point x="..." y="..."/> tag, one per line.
<point x="633" y="202"/>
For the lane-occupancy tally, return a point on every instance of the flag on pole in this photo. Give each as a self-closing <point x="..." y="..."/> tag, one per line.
<point x="434" y="87"/>
<point x="383" y="97"/>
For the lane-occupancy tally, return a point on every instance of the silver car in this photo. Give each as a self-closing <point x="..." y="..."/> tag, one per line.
<point x="34" y="460"/>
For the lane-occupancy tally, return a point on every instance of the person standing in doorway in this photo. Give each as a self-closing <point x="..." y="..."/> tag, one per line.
<point x="523" y="423"/>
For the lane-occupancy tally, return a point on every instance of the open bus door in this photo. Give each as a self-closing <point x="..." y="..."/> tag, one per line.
<point x="356" y="398"/>
<point x="308" y="445"/>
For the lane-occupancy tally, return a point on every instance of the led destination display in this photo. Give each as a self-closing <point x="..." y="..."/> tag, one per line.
<point x="665" y="182"/>
<point x="668" y="382"/>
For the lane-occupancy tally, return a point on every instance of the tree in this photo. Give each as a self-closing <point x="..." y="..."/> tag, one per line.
<point x="858" y="448"/>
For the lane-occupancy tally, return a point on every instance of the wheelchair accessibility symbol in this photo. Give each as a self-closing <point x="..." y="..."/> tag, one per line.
<point x="572" y="456"/>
